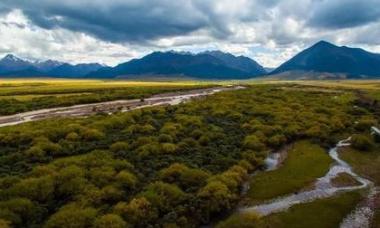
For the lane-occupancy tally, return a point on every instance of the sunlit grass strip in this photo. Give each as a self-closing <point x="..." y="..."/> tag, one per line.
<point x="14" y="86"/>
<point x="30" y="97"/>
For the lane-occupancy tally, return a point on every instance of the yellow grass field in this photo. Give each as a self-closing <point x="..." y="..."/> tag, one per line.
<point x="10" y="86"/>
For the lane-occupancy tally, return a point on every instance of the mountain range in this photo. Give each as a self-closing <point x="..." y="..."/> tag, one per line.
<point x="205" y="65"/>
<point x="12" y="66"/>
<point x="321" y="60"/>
<point x="324" y="57"/>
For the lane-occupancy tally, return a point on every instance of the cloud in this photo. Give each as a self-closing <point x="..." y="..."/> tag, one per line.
<point x="117" y="20"/>
<point x="138" y="21"/>
<point x="337" y="14"/>
<point x="147" y="21"/>
<point x="114" y="31"/>
<point x="20" y="37"/>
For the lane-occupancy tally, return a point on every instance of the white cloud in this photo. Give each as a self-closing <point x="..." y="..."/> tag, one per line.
<point x="18" y="36"/>
<point x="270" y="31"/>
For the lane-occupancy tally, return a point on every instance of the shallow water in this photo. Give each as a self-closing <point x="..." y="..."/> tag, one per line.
<point x="272" y="161"/>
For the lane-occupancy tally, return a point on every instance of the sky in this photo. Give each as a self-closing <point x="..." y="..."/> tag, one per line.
<point x="115" y="31"/>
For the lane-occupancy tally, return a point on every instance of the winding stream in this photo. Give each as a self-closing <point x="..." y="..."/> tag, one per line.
<point x="361" y="217"/>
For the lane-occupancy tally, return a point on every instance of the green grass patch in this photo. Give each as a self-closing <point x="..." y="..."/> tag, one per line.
<point x="344" y="180"/>
<point x="324" y="213"/>
<point x="306" y="162"/>
<point x="365" y="163"/>
<point x="240" y="220"/>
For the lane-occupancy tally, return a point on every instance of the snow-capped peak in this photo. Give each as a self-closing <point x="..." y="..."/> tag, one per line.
<point x="12" y="58"/>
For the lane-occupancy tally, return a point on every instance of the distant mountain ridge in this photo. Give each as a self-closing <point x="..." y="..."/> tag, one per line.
<point x="323" y="60"/>
<point x="238" y="62"/>
<point x="324" y="57"/>
<point x="48" y="65"/>
<point x="74" y="70"/>
<point x="12" y="66"/>
<point x="12" y="63"/>
<point x="205" y="65"/>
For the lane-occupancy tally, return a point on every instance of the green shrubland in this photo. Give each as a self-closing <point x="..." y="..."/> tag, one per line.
<point x="174" y="166"/>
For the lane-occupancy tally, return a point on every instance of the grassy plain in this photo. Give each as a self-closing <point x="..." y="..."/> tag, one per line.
<point x="177" y="165"/>
<point x="59" y="86"/>
<point x="343" y="84"/>
<point x="20" y="95"/>
<point x="305" y="163"/>
<point x="366" y="163"/>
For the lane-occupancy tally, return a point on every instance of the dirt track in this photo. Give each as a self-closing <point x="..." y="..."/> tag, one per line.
<point x="110" y="106"/>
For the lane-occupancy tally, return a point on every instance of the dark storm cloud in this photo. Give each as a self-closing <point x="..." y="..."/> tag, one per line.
<point x="144" y="21"/>
<point x="117" y="20"/>
<point x="141" y="21"/>
<point x="337" y="14"/>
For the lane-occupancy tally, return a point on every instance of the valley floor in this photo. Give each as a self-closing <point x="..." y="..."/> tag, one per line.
<point x="110" y="106"/>
<point x="187" y="164"/>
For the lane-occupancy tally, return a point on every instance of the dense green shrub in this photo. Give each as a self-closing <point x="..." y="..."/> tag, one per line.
<point x="110" y="221"/>
<point x="175" y="166"/>
<point x="361" y="142"/>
